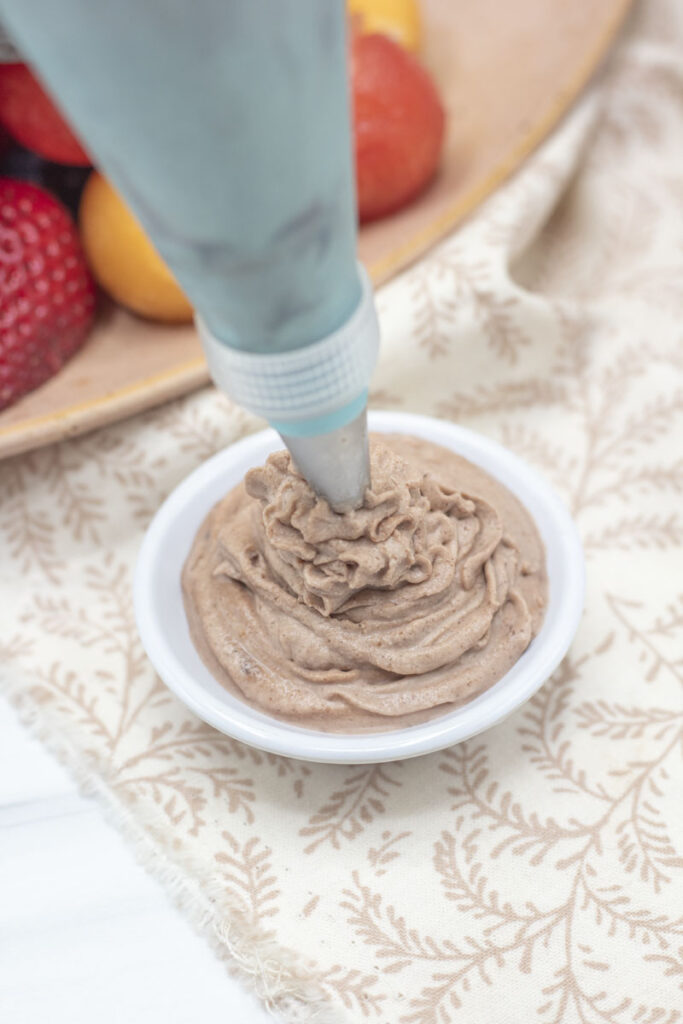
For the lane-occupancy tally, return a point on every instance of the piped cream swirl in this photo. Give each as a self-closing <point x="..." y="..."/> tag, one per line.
<point x="373" y="618"/>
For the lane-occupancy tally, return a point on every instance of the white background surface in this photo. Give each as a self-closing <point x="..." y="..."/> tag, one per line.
<point x="86" y="935"/>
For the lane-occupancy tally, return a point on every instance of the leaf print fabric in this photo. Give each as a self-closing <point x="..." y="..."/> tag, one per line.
<point x="532" y="874"/>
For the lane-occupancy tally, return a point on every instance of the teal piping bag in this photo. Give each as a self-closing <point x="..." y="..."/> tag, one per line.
<point x="225" y="125"/>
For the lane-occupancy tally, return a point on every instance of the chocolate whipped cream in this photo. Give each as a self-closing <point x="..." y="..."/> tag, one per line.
<point x="373" y="619"/>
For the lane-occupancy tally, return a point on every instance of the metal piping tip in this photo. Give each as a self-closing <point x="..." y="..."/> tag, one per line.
<point x="336" y="465"/>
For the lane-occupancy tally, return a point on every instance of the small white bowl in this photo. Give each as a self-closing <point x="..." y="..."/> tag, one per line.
<point x="165" y="635"/>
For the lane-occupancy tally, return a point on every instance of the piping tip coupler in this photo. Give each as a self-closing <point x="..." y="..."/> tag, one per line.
<point x="314" y="396"/>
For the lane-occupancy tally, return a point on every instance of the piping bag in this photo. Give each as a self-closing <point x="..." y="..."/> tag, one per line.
<point x="225" y="124"/>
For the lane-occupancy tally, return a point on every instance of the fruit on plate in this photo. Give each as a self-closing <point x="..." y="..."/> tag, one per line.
<point x="47" y="294"/>
<point x="30" y="116"/>
<point x="398" y="123"/>
<point x="123" y="259"/>
<point x="398" y="19"/>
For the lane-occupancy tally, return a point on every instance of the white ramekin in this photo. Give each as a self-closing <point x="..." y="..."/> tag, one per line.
<point x="165" y="635"/>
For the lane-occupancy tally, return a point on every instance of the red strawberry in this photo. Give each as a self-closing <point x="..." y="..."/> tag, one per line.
<point x="47" y="295"/>
<point x="32" y="119"/>
<point x="398" y="124"/>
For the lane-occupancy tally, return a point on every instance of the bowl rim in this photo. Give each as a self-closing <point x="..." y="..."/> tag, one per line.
<point x="242" y="722"/>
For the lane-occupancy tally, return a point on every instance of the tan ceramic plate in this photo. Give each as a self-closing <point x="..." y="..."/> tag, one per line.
<point x="507" y="72"/>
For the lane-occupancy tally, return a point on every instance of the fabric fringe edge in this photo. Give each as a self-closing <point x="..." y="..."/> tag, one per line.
<point x="272" y="972"/>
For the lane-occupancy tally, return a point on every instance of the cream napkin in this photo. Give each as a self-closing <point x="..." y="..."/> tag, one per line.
<point x="536" y="872"/>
